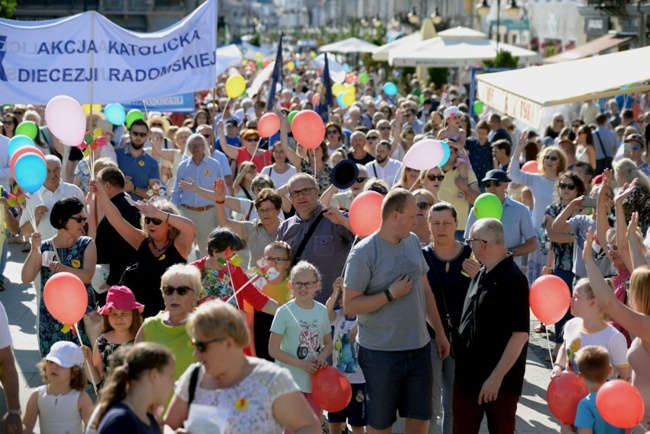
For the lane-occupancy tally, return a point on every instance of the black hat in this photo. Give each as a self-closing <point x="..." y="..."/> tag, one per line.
<point x="496" y="175"/>
<point x="232" y="121"/>
<point x="344" y="174"/>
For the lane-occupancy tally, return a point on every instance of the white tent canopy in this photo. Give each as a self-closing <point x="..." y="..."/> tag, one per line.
<point x="524" y="93"/>
<point x="382" y="52"/>
<point x="350" y="45"/>
<point x="454" y="48"/>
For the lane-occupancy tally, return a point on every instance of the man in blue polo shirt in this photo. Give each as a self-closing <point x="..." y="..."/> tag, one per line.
<point x="140" y="169"/>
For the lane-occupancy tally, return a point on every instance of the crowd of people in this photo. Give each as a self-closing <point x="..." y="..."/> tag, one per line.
<point x="227" y="273"/>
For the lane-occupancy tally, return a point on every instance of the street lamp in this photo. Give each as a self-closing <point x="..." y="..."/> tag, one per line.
<point x="511" y="9"/>
<point x="435" y="17"/>
<point x="376" y="21"/>
<point x="413" y="16"/>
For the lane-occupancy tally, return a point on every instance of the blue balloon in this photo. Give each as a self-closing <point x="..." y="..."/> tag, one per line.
<point x="340" y="101"/>
<point x="296" y="62"/>
<point x="18" y="142"/>
<point x="115" y="114"/>
<point x="346" y="67"/>
<point x="30" y="172"/>
<point x="390" y="89"/>
<point x="446" y="155"/>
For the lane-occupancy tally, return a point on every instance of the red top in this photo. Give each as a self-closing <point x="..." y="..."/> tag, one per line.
<point x="261" y="160"/>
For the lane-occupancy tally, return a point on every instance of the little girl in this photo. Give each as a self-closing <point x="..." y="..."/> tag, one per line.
<point x="301" y="338"/>
<point x="142" y="382"/>
<point x="122" y="320"/>
<point x="61" y="405"/>
<point x="590" y="327"/>
<point x="455" y="136"/>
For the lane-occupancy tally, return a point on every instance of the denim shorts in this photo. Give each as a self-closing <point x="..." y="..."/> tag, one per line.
<point x="356" y="412"/>
<point x="397" y="380"/>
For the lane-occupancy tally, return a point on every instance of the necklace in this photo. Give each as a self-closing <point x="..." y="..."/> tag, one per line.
<point x="153" y="243"/>
<point x="447" y="261"/>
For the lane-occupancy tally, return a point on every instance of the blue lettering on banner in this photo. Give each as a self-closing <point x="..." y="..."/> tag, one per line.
<point x="3" y="52"/>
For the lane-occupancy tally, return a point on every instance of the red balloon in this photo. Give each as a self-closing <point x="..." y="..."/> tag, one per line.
<point x="365" y="213"/>
<point x="308" y="129"/>
<point x="268" y="125"/>
<point x="23" y="151"/>
<point x="563" y="395"/>
<point x="331" y="390"/>
<point x="530" y="167"/>
<point x="549" y="298"/>
<point x="620" y="404"/>
<point x="65" y="297"/>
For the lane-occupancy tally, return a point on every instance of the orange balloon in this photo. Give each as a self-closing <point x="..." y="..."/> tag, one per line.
<point x="365" y="213"/>
<point x="308" y="129"/>
<point x="620" y="404"/>
<point x="530" y="167"/>
<point x="549" y="298"/>
<point x="564" y="394"/>
<point x="268" y="125"/>
<point x="331" y="390"/>
<point x="66" y="297"/>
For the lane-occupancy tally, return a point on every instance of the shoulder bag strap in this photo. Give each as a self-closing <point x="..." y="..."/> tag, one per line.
<point x="250" y="211"/>
<point x="600" y="142"/>
<point x="303" y="243"/>
<point x="374" y="169"/>
<point x="194" y="379"/>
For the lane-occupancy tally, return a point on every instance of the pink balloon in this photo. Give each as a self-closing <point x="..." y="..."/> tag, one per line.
<point x="365" y="213"/>
<point x="563" y="395"/>
<point x="549" y="298"/>
<point x="66" y="120"/>
<point x="620" y="404"/>
<point x="268" y="125"/>
<point x="424" y="155"/>
<point x="66" y="297"/>
<point x="308" y="129"/>
<point x="530" y="167"/>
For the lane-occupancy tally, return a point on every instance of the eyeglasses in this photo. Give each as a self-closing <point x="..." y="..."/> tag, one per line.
<point x="551" y="158"/>
<point x="79" y="219"/>
<point x="308" y="285"/>
<point x="469" y="240"/>
<point x="372" y="138"/>
<point x="384" y="128"/>
<point x="490" y="183"/>
<point x="195" y="145"/>
<point x="138" y="134"/>
<point x="252" y="139"/>
<point x="304" y="192"/>
<point x="276" y="260"/>
<point x="157" y="124"/>
<point x="332" y="132"/>
<point x="181" y="290"/>
<point x="362" y="179"/>
<point x="423" y="205"/>
<point x="202" y="346"/>
<point x="434" y="177"/>
<point x="153" y="220"/>
<point x="569" y="186"/>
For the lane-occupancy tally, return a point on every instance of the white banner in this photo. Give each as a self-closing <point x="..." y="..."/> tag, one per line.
<point x="96" y="61"/>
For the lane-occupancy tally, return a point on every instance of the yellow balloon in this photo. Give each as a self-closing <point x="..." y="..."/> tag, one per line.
<point x="235" y="86"/>
<point x="337" y="88"/>
<point x="349" y="97"/>
<point x="291" y="66"/>
<point x="97" y="108"/>
<point x="244" y="62"/>
<point x="258" y="56"/>
<point x="349" y="87"/>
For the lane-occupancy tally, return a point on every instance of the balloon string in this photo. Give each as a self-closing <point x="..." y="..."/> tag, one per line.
<point x="58" y="258"/>
<point x="256" y="148"/>
<point x="251" y="280"/>
<point x="92" y="377"/>
<point x="550" y="353"/>
<point x="315" y="174"/>
<point x="232" y="285"/>
<point x="32" y="218"/>
<point x="311" y="349"/>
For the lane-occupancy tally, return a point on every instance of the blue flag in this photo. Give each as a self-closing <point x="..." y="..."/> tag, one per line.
<point x="277" y="75"/>
<point x="326" y="100"/>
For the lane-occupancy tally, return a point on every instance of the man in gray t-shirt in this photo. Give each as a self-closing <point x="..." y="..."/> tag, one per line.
<point x="386" y="286"/>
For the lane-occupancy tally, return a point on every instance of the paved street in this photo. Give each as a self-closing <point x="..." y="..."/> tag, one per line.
<point x="19" y="300"/>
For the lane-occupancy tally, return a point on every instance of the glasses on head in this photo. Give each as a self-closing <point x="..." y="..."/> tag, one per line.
<point x="469" y="240"/>
<point x="155" y="221"/>
<point x="490" y="183"/>
<point x="372" y="138"/>
<point x="157" y="124"/>
<point x="569" y="186"/>
<point x="79" y="219"/>
<point x="551" y="158"/>
<point x="379" y="189"/>
<point x="138" y="134"/>
<point x="181" y="290"/>
<point x="304" y="192"/>
<point x="384" y="128"/>
<point x="362" y="179"/>
<point x="434" y="177"/>
<point x="202" y="346"/>
<point x="276" y="260"/>
<point x="308" y="285"/>
<point x="423" y="205"/>
<point x="252" y="139"/>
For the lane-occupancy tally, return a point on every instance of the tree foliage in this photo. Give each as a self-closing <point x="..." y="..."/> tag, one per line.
<point x="7" y="8"/>
<point x="504" y="59"/>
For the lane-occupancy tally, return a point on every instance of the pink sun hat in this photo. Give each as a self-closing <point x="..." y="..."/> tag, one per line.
<point x="120" y="298"/>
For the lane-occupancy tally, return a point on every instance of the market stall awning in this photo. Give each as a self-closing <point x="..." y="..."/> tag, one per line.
<point x="350" y="45"/>
<point x="596" y="46"/>
<point x="524" y="93"/>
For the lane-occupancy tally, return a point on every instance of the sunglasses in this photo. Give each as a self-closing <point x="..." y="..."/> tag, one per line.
<point x="252" y="139"/>
<point x="489" y="183"/>
<point x="550" y="157"/>
<point x="181" y="290"/>
<point x="79" y="219"/>
<point x="153" y="220"/>
<point x="372" y="138"/>
<point x="157" y="124"/>
<point x="202" y="347"/>
<point x="613" y="247"/>
<point x="569" y="186"/>
<point x="332" y="132"/>
<point x="362" y="179"/>
<point x="434" y="177"/>
<point x="423" y="205"/>
<point x="138" y="134"/>
<point x="558" y="120"/>
<point x="207" y="136"/>
<point x="576" y="126"/>
<point x="384" y="128"/>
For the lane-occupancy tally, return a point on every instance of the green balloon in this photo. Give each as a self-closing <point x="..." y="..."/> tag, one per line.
<point x="364" y="77"/>
<point x="296" y="79"/>
<point x="132" y="116"/>
<point x="488" y="205"/>
<point x="27" y="128"/>
<point x="478" y="107"/>
<point x="421" y="99"/>
<point x="291" y="116"/>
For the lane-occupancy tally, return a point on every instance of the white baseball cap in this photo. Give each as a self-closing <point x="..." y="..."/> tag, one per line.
<point x="66" y="354"/>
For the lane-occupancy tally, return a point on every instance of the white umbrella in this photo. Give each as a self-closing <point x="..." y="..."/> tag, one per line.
<point x="350" y="45"/>
<point x="382" y="52"/>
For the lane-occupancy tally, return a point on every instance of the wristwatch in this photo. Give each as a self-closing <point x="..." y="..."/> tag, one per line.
<point x="17" y="411"/>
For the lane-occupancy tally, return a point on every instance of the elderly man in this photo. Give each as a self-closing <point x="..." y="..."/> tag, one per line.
<point x="493" y="337"/>
<point x="313" y="238"/>
<point x="140" y="169"/>
<point x="385" y="284"/>
<point x="358" y="154"/>
<point x="384" y="167"/>
<point x="520" y="236"/>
